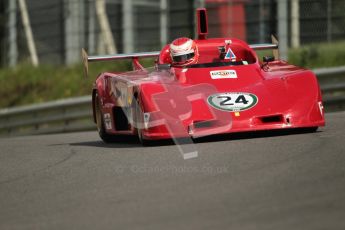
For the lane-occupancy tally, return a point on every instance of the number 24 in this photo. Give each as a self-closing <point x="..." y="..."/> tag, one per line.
<point x="226" y="100"/>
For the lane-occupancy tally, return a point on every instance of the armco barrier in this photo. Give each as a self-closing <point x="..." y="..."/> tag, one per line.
<point x="74" y="114"/>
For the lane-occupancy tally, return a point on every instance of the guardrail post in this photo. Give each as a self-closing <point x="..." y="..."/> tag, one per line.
<point x="74" y="29"/>
<point x="295" y="25"/>
<point x="12" y="31"/>
<point x="164" y="22"/>
<point x="283" y="28"/>
<point x="128" y="29"/>
<point x="329" y="20"/>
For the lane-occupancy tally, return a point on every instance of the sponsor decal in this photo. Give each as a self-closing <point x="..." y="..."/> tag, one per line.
<point x="230" y="54"/>
<point x="233" y="102"/>
<point x="221" y="74"/>
<point x="146" y="120"/>
<point x="321" y="107"/>
<point x="107" y="121"/>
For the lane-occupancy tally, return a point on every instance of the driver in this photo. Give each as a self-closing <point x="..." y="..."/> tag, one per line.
<point x="183" y="51"/>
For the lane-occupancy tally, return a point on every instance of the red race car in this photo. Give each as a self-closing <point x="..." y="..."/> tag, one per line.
<point x="203" y="87"/>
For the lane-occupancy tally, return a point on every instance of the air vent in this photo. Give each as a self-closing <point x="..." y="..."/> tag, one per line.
<point x="120" y="118"/>
<point x="202" y="124"/>
<point x="272" y="119"/>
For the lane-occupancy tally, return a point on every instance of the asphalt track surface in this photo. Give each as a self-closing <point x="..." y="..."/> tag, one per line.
<point x="74" y="181"/>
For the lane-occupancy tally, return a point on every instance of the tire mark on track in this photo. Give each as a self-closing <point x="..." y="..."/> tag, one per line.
<point x="69" y="156"/>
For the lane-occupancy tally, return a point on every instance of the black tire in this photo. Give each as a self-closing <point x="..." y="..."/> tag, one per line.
<point x="107" y="138"/>
<point x="306" y="130"/>
<point x="312" y="129"/>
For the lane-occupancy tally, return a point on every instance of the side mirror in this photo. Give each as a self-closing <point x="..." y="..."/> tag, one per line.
<point x="268" y="59"/>
<point x="222" y="52"/>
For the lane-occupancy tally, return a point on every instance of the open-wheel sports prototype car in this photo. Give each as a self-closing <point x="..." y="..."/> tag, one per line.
<point x="203" y="87"/>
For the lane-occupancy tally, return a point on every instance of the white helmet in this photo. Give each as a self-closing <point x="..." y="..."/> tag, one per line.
<point x="183" y="51"/>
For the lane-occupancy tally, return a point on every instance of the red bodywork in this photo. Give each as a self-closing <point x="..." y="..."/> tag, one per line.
<point x="214" y="96"/>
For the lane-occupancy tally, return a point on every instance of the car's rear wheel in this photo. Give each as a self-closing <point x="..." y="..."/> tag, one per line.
<point x="107" y="138"/>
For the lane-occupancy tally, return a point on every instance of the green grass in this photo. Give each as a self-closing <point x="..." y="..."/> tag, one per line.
<point x="319" y="55"/>
<point x="26" y="84"/>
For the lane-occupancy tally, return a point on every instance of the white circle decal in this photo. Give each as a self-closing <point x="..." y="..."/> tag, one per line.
<point x="233" y="101"/>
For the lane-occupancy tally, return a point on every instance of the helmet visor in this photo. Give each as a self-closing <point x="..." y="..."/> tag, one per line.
<point x="183" y="58"/>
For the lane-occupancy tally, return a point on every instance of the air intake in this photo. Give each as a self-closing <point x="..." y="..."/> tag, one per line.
<point x="202" y="23"/>
<point x="272" y="119"/>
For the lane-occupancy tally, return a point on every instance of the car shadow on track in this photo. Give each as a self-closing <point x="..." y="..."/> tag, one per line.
<point x="121" y="142"/>
<point x="133" y="142"/>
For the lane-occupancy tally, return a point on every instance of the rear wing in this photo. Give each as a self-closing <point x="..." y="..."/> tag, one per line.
<point x="134" y="56"/>
<point x="122" y="56"/>
<point x="274" y="46"/>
